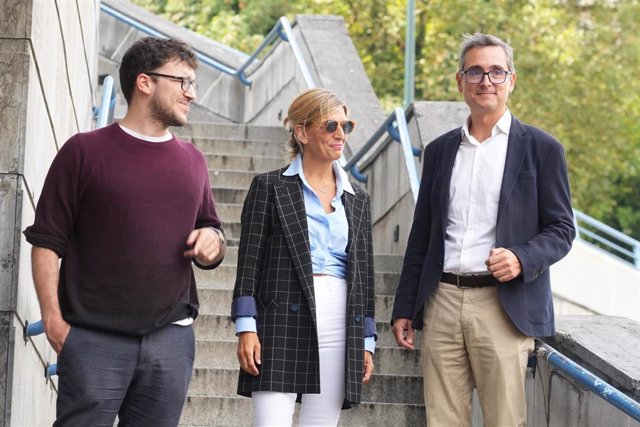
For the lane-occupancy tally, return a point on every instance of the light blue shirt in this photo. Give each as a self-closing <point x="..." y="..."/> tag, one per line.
<point x="328" y="232"/>
<point x="328" y="235"/>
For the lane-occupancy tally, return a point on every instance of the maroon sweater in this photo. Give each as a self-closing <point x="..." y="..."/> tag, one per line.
<point x="118" y="211"/>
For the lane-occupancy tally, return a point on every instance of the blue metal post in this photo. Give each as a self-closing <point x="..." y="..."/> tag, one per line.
<point x="50" y="370"/>
<point x="32" y="329"/>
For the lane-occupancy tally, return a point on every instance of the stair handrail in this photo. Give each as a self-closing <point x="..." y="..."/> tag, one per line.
<point x="587" y="379"/>
<point x="395" y="129"/>
<point x="607" y="236"/>
<point x="282" y="29"/>
<point x="104" y="113"/>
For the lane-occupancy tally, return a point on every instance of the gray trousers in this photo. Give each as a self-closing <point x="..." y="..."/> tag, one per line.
<point x="142" y="380"/>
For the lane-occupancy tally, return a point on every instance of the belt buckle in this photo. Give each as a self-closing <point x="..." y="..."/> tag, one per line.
<point x="458" y="285"/>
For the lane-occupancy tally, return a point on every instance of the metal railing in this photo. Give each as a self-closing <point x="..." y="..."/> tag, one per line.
<point x="281" y="30"/>
<point x="588" y="380"/>
<point x="607" y="238"/>
<point x="104" y="113"/>
<point x="395" y="127"/>
<point x="31" y="330"/>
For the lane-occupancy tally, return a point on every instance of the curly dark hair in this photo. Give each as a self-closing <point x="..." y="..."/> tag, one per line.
<point x="148" y="54"/>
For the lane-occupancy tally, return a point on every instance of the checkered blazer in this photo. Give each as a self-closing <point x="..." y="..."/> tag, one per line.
<point x="274" y="267"/>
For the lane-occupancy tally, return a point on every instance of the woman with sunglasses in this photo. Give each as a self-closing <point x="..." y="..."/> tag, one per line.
<point x="304" y="294"/>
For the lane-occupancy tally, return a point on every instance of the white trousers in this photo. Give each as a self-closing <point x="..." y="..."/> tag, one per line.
<point x="276" y="409"/>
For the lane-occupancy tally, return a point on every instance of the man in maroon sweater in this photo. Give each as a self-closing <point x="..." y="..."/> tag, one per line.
<point x="127" y="208"/>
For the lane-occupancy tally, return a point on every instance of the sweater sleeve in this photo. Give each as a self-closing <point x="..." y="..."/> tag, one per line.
<point x="59" y="200"/>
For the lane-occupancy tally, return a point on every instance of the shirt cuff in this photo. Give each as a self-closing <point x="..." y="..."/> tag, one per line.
<point x="369" y="344"/>
<point x="247" y="324"/>
<point x="370" y="329"/>
<point x="244" y="307"/>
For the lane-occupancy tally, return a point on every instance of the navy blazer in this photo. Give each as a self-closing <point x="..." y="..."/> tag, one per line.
<point x="275" y="274"/>
<point x="535" y="221"/>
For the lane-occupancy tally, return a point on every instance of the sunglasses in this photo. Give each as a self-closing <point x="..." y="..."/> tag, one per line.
<point x="331" y="126"/>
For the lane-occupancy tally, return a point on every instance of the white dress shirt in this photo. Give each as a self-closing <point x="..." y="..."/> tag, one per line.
<point x="474" y="194"/>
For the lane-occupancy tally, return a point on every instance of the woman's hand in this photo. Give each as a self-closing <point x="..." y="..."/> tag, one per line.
<point x="368" y="367"/>
<point x="248" y="352"/>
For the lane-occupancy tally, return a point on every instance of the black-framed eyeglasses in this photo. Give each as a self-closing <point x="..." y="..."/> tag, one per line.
<point x="185" y="82"/>
<point x="476" y="74"/>
<point x="331" y="126"/>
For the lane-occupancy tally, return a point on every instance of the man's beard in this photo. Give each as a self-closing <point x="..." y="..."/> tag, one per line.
<point x="165" y="115"/>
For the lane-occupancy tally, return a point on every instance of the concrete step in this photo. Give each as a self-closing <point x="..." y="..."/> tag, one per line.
<point x="377" y="414"/>
<point x="238" y="412"/>
<point x="232" y="229"/>
<point x="231" y="178"/>
<point x="232" y="131"/>
<point x="217" y="411"/>
<point x="230" y="256"/>
<point x="382" y="388"/>
<point x="270" y="149"/>
<point x="234" y="195"/>
<point x="214" y="327"/>
<point x="229" y="212"/>
<point x="221" y="354"/>
<point x="243" y="162"/>
<point x="215" y="301"/>
<point x="222" y="277"/>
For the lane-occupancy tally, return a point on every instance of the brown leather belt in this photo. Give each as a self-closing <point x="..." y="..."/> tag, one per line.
<point x="469" y="281"/>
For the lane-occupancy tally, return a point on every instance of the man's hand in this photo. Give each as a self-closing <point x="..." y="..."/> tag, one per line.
<point x="205" y="246"/>
<point x="57" y="331"/>
<point x="403" y="332"/>
<point x="503" y="264"/>
<point x="46" y="272"/>
<point x="248" y="352"/>
<point x="368" y="367"/>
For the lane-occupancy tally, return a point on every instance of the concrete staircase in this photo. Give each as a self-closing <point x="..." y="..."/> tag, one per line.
<point x="235" y="154"/>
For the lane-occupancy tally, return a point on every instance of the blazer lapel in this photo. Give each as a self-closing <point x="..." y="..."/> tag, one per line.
<point x="293" y="218"/>
<point x="513" y="164"/>
<point x="352" y="204"/>
<point x="450" y="150"/>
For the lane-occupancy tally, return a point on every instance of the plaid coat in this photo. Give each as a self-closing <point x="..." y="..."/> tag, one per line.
<point x="274" y="267"/>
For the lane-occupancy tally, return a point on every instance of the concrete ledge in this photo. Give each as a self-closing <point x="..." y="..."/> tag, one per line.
<point x="608" y="346"/>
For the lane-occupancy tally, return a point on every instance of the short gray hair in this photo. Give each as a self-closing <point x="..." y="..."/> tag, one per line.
<point x="471" y="41"/>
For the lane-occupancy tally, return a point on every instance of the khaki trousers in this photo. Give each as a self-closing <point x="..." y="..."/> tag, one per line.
<point x="468" y="341"/>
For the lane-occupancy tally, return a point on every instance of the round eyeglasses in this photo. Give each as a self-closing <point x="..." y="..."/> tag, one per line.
<point x="475" y="75"/>
<point x="185" y="82"/>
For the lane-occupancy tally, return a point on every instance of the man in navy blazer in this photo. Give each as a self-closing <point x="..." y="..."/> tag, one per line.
<point x="493" y="214"/>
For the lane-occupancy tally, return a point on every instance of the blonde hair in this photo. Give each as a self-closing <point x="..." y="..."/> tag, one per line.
<point x="310" y="106"/>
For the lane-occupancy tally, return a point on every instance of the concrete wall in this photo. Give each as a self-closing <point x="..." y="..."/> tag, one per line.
<point x="598" y="281"/>
<point x="48" y="71"/>
<point x="604" y="345"/>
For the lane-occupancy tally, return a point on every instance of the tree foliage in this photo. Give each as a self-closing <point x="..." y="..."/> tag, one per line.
<point x="576" y="62"/>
